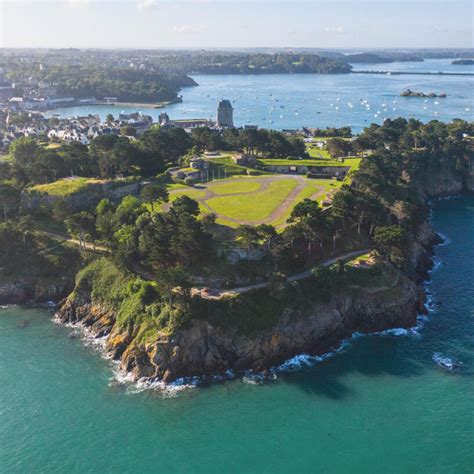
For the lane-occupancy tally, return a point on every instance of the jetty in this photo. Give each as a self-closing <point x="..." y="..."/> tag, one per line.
<point x="415" y="73"/>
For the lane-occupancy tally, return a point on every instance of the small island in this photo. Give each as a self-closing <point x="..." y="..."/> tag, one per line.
<point x="410" y="93"/>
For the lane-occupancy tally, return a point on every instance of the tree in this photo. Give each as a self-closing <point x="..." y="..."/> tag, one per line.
<point x="172" y="283"/>
<point x="208" y="221"/>
<point x="268" y="234"/>
<point x="277" y="284"/>
<point x="311" y="223"/>
<point x="128" y="210"/>
<point x="185" y="204"/>
<point x="154" y="192"/>
<point x="338" y="147"/>
<point x="390" y="240"/>
<point x="105" y="219"/>
<point x="128" y="131"/>
<point x="249" y="236"/>
<point x="61" y="210"/>
<point x="24" y="152"/>
<point x="81" y="225"/>
<point x="304" y="210"/>
<point x="9" y="199"/>
<point x="53" y="122"/>
<point x="109" y="118"/>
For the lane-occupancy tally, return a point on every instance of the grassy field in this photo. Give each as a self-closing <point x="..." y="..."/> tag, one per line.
<point x="253" y="199"/>
<point x="311" y="162"/>
<point x="234" y="187"/>
<point x="225" y="166"/>
<point x="256" y="206"/>
<point x="66" y="187"/>
<point x="317" y="152"/>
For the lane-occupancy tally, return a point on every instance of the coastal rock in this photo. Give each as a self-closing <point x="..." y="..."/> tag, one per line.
<point x="410" y="93"/>
<point x="201" y="348"/>
<point x="36" y="290"/>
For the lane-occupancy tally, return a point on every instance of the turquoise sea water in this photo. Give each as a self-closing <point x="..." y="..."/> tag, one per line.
<point x="283" y="101"/>
<point x="382" y="405"/>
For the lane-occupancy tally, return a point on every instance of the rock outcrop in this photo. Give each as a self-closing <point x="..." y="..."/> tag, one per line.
<point x="410" y="93"/>
<point x="37" y="290"/>
<point x="202" y="348"/>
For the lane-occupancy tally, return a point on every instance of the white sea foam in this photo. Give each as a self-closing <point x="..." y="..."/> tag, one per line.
<point x="445" y="362"/>
<point x="446" y="240"/>
<point x="253" y="379"/>
<point x="304" y="360"/>
<point x="437" y="264"/>
<point x="48" y="304"/>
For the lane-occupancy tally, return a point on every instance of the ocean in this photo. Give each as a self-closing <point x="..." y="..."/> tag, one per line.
<point x="400" y="402"/>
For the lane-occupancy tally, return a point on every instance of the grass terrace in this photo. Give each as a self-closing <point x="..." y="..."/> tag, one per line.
<point x="67" y="186"/>
<point x="253" y="207"/>
<point x="254" y="199"/>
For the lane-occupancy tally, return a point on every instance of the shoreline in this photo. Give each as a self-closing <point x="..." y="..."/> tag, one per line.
<point x="98" y="336"/>
<point x="256" y="377"/>
<point x="137" y="105"/>
<point x="398" y="321"/>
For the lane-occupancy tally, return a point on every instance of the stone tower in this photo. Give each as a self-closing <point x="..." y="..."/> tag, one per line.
<point x="225" y="114"/>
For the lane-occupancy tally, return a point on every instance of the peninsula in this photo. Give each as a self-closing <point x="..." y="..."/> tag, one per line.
<point x="220" y="249"/>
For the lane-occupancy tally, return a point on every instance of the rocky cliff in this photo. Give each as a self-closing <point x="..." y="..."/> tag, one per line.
<point x="201" y="347"/>
<point x="23" y="290"/>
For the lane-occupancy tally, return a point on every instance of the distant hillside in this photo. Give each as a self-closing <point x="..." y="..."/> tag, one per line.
<point x="251" y="63"/>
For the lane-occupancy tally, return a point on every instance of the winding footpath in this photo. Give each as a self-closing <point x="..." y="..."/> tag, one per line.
<point x="215" y="294"/>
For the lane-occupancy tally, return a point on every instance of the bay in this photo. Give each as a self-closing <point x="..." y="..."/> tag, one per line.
<point x="291" y="101"/>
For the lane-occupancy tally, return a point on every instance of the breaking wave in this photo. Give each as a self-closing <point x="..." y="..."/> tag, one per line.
<point x="445" y="362"/>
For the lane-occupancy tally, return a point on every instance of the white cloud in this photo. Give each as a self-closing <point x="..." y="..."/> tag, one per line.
<point x="187" y="29"/>
<point x="145" y="4"/>
<point x="77" y="3"/>
<point x="334" y="29"/>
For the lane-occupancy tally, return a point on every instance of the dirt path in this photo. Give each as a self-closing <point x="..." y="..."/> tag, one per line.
<point x="218" y="294"/>
<point x="65" y="239"/>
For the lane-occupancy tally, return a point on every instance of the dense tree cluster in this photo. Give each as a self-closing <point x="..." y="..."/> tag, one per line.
<point x="383" y="206"/>
<point x="386" y="201"/>
<point x="264" y="142"/>
<point x="260" y="63"/>
<point x="157" y="149"/>
<point x="99" y="81"/>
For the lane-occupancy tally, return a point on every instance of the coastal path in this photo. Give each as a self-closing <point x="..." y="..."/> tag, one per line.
<point x="215" y="294"/>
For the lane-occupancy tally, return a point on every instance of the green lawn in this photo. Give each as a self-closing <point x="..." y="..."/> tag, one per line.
<point x="313" y="162"/>
<point x="253" y="207"/>
<point x="66" y="187"/>
<point x="257" y="205"/>
<point x="316" y="152"/>
<point x="227" y="167"/>
<point x="234" y="186"/>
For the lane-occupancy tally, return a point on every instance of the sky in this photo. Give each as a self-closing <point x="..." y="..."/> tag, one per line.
<point x="236" y="24"/>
